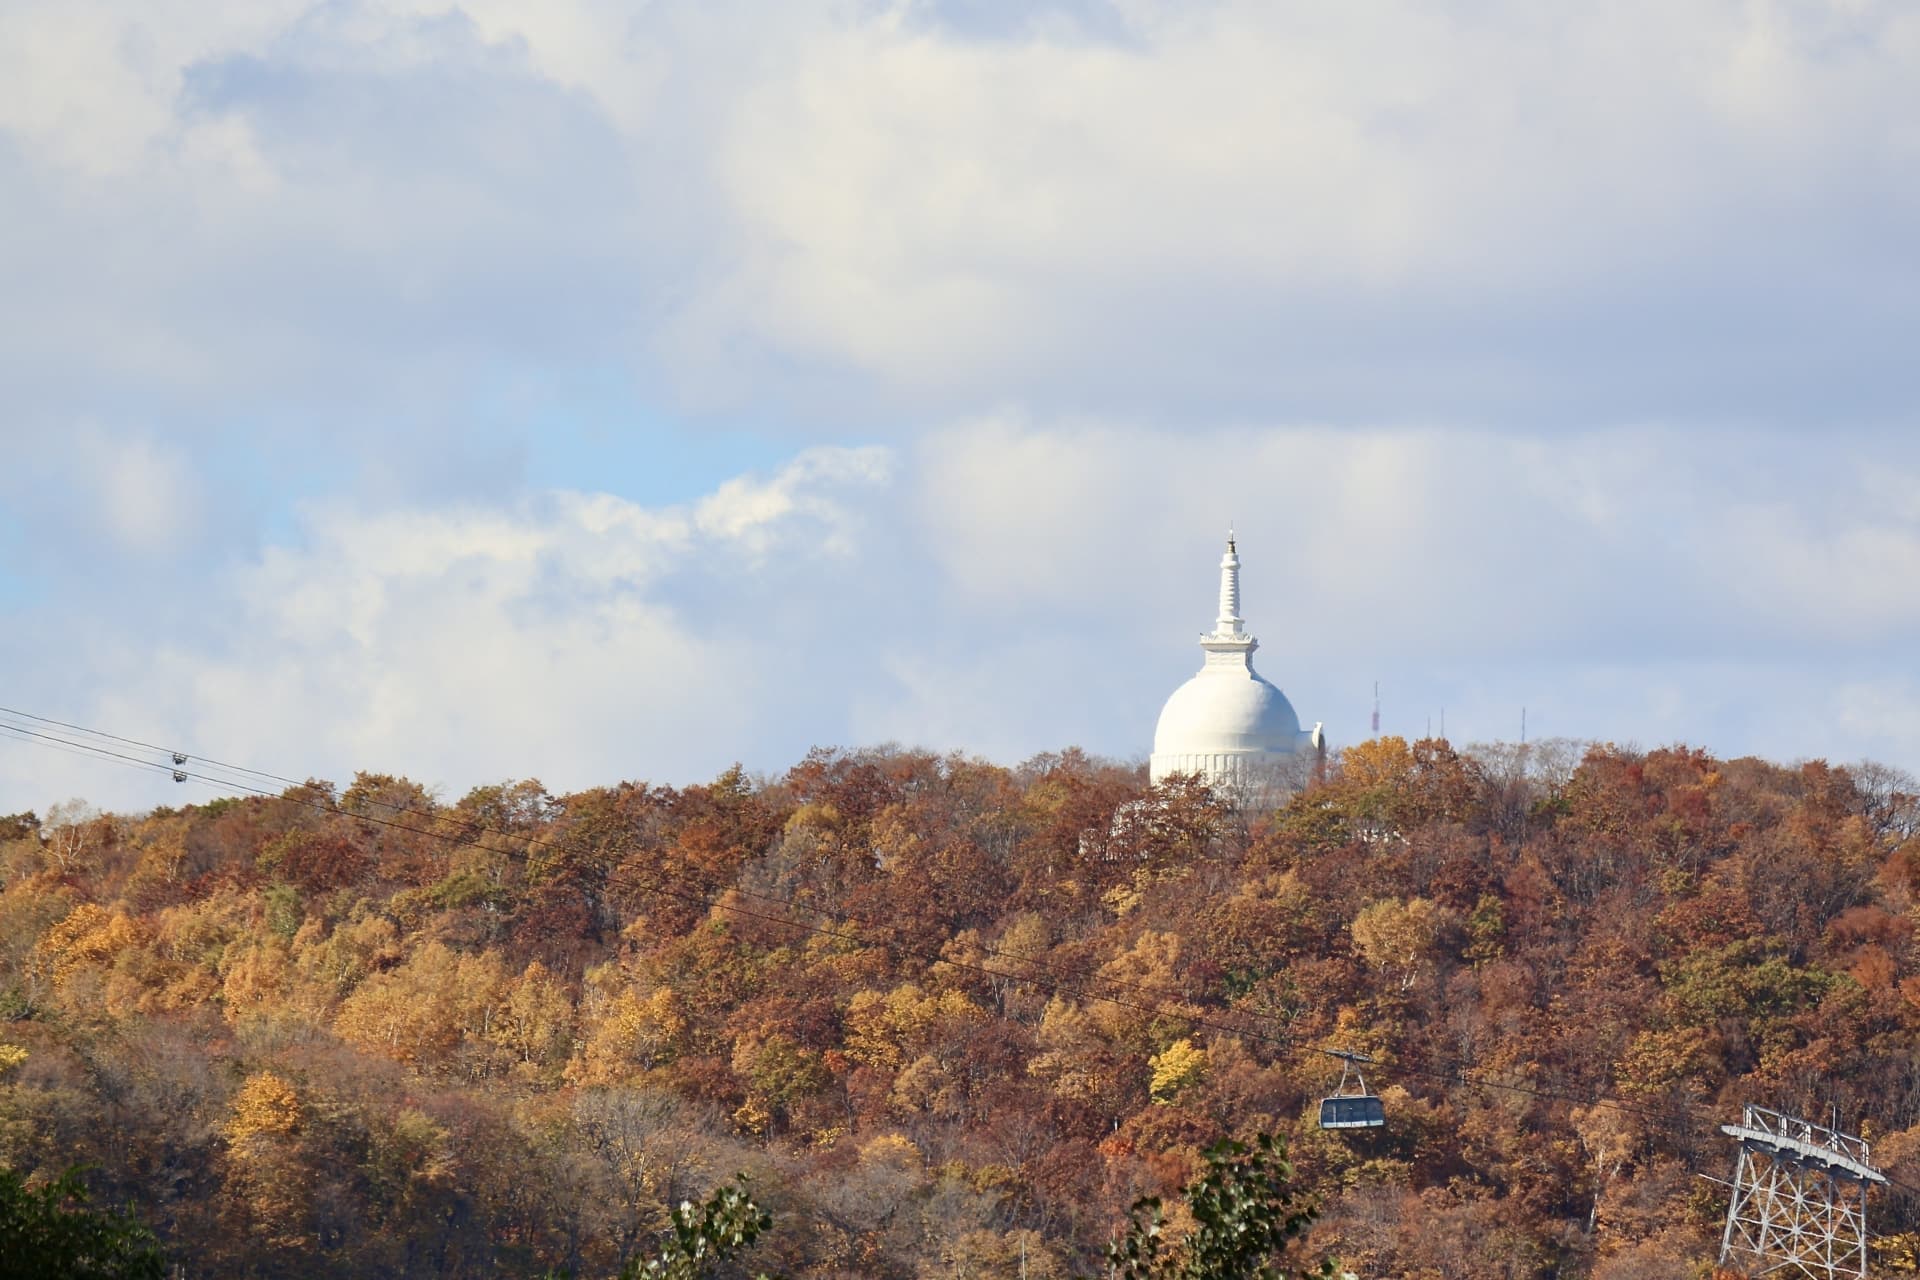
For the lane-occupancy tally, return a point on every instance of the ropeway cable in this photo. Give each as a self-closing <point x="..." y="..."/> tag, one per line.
<point x="476" y="830"/>
<point x="149" y="746"/>
<point x="709" y="902"/>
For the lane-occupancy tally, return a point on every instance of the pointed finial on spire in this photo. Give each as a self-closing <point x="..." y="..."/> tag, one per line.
<point x="1228" y="623"/>
<point x="1230" y="545"/>
<point x="1229" y="635"/>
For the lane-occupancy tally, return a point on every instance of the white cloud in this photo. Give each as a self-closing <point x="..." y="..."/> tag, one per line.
<point x="1529" y="279"/>
<point x="748" y="509"/>
<point x="96" y="492"/>
<point x="92" y="85"/>
<point x="556" y="637"/>
<point x="1422" y="212"/>
<point x="146" y="497"/>
<point x="1016" y="585"/>
<point x="1883" y="713"/>
<point x="940" y="211"/>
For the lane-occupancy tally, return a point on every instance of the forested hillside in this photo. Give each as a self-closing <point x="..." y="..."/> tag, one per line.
<point x="951" y="1018"/>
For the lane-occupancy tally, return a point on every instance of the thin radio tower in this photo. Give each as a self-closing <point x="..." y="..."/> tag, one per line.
<point x="1376" y="708"/>
<point x="1524" y="788"/>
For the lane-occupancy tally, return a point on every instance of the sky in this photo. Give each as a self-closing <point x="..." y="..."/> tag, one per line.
<point x="594" y="391"/>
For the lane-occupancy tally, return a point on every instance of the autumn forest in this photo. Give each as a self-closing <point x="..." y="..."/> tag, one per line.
<point x="950" y="1018"/>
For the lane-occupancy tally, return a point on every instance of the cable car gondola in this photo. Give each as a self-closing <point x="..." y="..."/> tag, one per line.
<point x="1351" y="1107"/>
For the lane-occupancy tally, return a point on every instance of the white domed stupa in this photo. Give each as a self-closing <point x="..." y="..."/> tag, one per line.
<point x="1227" y="724"/>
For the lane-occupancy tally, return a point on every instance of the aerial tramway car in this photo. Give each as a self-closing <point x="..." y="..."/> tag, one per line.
<point x="1351" y="1105"/>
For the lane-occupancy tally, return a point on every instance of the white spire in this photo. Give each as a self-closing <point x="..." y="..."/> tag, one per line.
<point x="1229" y="634"/>
<point x="1229" y="621"/>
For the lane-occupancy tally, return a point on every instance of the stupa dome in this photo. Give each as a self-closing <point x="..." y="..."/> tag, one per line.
<point x="1228" y="724"/>
<point x="1226" y="709"/>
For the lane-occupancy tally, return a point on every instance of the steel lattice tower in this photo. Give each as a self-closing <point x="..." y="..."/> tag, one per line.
<point x="1799" y="1204"/>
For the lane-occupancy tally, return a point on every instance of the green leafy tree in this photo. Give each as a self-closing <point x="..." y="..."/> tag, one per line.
<point x="706" y="1238"/>
<point x="1244" y="1211"/>
<point x="48" y="1231"/>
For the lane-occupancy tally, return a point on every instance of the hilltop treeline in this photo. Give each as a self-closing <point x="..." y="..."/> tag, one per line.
<point x="951" y="1018"/>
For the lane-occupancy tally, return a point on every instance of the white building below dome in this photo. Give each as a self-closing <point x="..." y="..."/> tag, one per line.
<point x="1229" y="725"/>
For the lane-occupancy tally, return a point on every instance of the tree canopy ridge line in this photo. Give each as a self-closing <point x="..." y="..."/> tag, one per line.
<point x="471" y="835"/>
<point x="1651" y="936"/>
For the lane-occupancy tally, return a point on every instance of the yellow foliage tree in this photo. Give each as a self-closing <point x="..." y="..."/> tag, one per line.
<point x="1179" y="1066"/>
<point x="256" y="978"/>
<point x="634" y="1034"/>
<point x="888" y="1031"/>
<point x="777" y="1072"/>
<point x="422" y="1011"/>
<point x="1397" y="938"/>
<point x="535" y="1021"/>
<point x="1377" y="762"/>
<point x="89" y="935"/>
<point x="265" y="1106"/>
<point x="1372" y="786"/>
<point x="1073" y="1056"/>
<point x="927" y="1086"/>
<point x="1661" y="1063"/>
<point x="262" y="1122"/>
<point x="892" y="1151"/>
<point x="344" y="958"/>
<point x="1148" y="972"/>
<point x="1609" y="1136"/>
